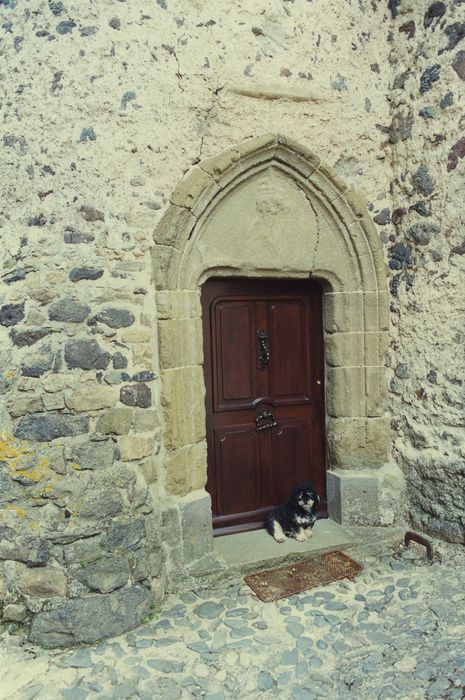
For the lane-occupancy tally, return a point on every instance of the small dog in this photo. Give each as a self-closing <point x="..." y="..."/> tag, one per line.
<point x="296" y="517"/>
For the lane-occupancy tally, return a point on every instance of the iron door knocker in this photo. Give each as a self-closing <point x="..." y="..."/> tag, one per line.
<point x="265" y="415"/>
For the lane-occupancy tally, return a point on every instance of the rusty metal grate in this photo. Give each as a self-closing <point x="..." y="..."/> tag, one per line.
<point x="295" y="578"/>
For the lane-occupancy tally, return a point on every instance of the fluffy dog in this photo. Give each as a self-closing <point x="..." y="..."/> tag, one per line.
<point x="296" y="517"/>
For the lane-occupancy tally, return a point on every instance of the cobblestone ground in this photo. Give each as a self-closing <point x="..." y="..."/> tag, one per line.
<point x="398" y="631"/>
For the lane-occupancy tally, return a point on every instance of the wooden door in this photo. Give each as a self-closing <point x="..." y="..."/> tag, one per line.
<point x="263" y="344"/>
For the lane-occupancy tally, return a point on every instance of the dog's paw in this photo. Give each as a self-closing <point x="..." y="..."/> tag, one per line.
<point x="279" y="538"/>
<point x="300" y="537"/>
<point x="308" y="533"/>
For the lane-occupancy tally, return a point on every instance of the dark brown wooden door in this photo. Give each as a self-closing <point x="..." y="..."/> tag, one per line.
<point x="263" y="344"/>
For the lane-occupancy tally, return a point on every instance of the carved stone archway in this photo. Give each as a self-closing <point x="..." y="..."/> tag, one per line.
<point x="268" y="208"/>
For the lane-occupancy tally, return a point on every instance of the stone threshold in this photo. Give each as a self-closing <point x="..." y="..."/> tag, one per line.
<point x="252" y="551"/>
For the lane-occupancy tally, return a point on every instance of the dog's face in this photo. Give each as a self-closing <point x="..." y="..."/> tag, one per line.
<point x="305" y="496"/>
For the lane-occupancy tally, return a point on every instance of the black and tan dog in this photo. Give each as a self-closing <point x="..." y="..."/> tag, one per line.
<point x="296" y="517"/>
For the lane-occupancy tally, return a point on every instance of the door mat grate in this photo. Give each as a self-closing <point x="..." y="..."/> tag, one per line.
<point x="294" y="578"/>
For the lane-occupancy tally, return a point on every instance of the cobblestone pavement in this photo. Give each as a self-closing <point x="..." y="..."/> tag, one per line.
<point x="398" y="632"/>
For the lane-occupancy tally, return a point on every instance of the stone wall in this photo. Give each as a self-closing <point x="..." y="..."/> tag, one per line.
<point x="425" y="240"/>
<point x="105" y="107"/>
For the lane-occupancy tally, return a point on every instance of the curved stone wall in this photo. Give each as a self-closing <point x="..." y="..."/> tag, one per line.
<point x="102" y="501"/>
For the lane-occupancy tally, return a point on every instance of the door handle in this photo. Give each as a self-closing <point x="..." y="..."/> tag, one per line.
<point x="263" y="350"/>
<point x="265" y="415"/>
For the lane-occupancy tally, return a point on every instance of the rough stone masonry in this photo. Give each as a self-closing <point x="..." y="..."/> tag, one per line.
<point x="104" y="108"/>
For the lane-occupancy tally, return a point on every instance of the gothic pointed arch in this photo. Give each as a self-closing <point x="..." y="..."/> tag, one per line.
<point x="269" y="207"/>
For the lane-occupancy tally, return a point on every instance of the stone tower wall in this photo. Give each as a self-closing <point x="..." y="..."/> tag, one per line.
<point x="105" y="106"/>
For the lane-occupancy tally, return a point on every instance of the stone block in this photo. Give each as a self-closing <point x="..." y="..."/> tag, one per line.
<point x="29" y="384"/>
<point x="343" y="312"/>
<point x="43" y="582"/>
<point x="358" y="443"/>
<point x="345" y="391"/>
<point x="353" y="497"/>
<point x="85" y="354"/>
<point x="116" y="421"/>
<point x="174" y="227"/>
<point x="165" y="265"/>
<point x="376" y="346"/>
<point x="54" y="454"/>
<point x="21" y="405"/>
<point x="119" y="361"/>
<point x="217" y="165"/>
<point x="178" y="304"/>
<point x="82" y="551"/>
<point x="57" y="382"/>
<point x="171" y="526"/>
<point x="292" y="153"/>
<point x="14" y="612"/>
<point x="141" y="569"/>
<point x="68" y="310"/>
<point x="100" y="504"/>
<point x="180" y="343"/>
<point x="347" y="312"/>
<point x="77" y="274"/>
<point x="115" y="318"/>
<point x="369" y="497"/>
<point x="376" y="311"/>
<point x="136" y="395"/>
<point x="150" y="469"/>
<point x="136" y="335"/>
<point x="257" y="149"/>
<point x="125" y="535"/>
<point x="86" y="620"/>
<point x="196" y="526"/>
<point x="105" y="574"/>
<point x="195" y="191"/>
<point x="186" y="469"/>
<point x="145" y="421"/>
<point x="183" y="403"/>
<point x="115" y="377"/>
<point x="37" y="363"/>
<point x="93" y="455"/>
<point x="376" y="391"/>
<point x="11" y="314"/>
<point x="91" y="397"/>
<point x="132" y="447"/>
<point x="142" y="355"/>
<point x="47" y="427"/>
<point x="53" y="402"/>
<point x="343" y="349"/>
<point x="26" y="338"/>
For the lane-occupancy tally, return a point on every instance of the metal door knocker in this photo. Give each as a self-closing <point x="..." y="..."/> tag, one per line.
<point x="265" y="415"/>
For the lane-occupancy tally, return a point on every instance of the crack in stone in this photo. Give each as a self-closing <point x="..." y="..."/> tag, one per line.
<point x="215" y="100"/>
<point x="172" y="52"/>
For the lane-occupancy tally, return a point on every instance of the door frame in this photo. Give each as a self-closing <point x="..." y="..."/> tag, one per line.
<point x="207" y="230"/>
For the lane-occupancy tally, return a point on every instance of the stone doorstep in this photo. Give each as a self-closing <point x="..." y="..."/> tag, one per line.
<point x="249" y="551"/>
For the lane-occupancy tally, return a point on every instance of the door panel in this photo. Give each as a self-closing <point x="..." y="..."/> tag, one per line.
<point x="263" y="349"/>
<point x="233" y="337"/>
<point x="289" y="369"/>
<point x="291" y="449"/>
<point x="237" y="459"/>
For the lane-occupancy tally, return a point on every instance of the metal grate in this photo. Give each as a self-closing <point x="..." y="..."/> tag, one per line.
<point x="295" y="578"/>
